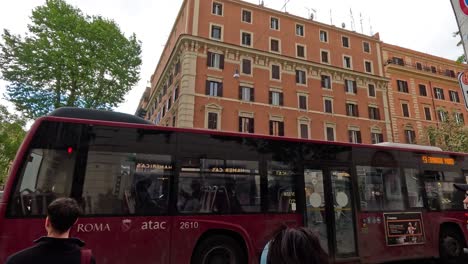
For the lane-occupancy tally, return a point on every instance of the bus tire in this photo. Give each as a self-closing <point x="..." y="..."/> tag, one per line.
<point x="219" y="249"/>
<point x="450" y="245"/>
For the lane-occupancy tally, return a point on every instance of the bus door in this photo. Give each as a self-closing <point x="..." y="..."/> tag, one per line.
<point x="330" y="209"/>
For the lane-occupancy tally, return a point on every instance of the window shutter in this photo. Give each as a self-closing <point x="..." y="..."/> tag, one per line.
<point x="381" y="138"/>
<point x="297" y="76"/>
<point x="240" y="124"/>
<point x="359" y="140"/>
<point x="347" y="110"/>
<point x="350" y="135"/>
<point x="346" y="86"/>
<point x="207" y="90"/>
<point x="252" y="98"/>
<point x="251" y="125"/>
<point x="357" y="110"/>
<point x="370" y="113"/>
<point x="281" y="128"/>
<point x="323" y="81"/>
<point x="271" y="97"/>
<point x="209" y="61"/>
<point x="378" y="113"/>
<point x="240" y="92"/>
<point x="271" y="127"/>
<point x="221" y="63"/>
<point x="354" y="87"/>
<point x="281" y="98"/>
<point x="220" y="89"/>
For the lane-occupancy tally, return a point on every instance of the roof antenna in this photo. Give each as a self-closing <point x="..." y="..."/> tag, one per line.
<point x="331" y="19"/>
<point x="285" y="4"/>
<point x="352" y="19"/>
<point x="371" y="31"/>
<point x="311" y="13"/>
<point x="261" y="3"/>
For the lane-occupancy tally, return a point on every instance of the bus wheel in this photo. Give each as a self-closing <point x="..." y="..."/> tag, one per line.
<point x="451" y="245"/>
<point x="218" y="249"/>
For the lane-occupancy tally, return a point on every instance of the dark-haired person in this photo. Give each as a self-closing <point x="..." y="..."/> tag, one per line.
<point x="57" y="246"/>
<point x="294" y="246"/>
<point x="463" y="188"/>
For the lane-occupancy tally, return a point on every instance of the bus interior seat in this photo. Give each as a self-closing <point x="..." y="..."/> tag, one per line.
<point x="129" y="202"/>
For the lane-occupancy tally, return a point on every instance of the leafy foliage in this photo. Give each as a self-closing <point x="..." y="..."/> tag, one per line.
<point x="11" y="136"/>
<point x="450" y="135"/>
<point x="68" y="59"/>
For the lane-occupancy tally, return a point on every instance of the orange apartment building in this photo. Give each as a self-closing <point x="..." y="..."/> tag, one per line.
<point x="422" y="91"/>
<point x="234" y="66"/>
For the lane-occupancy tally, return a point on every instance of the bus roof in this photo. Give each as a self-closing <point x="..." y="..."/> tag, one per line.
<point x="408" y="146"/>
<point x="93" y="114"/>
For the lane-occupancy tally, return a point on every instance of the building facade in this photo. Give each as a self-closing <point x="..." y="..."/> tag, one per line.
<point x="239" y="67"/>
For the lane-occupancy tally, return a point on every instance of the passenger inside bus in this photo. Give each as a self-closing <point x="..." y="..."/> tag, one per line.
<point x="144" y="203"/>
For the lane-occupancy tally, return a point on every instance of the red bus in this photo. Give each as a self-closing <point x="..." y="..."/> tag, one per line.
<point x="164" y="195"/>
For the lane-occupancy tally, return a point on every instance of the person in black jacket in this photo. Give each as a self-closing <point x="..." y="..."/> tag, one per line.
<point x="57" y="246"/>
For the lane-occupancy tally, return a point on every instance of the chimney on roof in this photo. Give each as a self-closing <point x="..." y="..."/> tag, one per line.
<point x="376" y="36"/>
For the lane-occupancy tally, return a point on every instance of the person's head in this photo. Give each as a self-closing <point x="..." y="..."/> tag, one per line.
<point x="294" y="246"/>
<point x="463" y="188"/>
<point x="62" y="214"/>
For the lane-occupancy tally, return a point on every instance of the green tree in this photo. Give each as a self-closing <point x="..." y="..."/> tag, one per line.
<point x="11" y="136"/>
<point x="461" y="58"/>
<point x="68" y="59"/>
<point x="449" y="135"/>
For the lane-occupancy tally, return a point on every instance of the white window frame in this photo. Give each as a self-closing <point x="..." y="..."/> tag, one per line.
<point x="303" y="29"/>
<point x="326" y="35"/>
<point x="242" y="39"/>
<point x="242" y="16"/>
<point x="278" y="23"/>
<point x="211" y="31"/>
<point x="350" y="62"/>
<point x="222" y="8"/>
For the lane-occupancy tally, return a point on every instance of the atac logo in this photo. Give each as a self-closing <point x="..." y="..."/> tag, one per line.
<point x="126" y="225"/>
<point x="464" y="6"/>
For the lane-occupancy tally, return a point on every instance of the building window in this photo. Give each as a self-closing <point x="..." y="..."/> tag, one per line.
<point x="301" y="77"/>
<point x="246" y="16"/>
<point x="376" y="138"/>
<point x="246" y="66"/>
<point x="419" y="66"/>
<point x="450" y="73"/>
<point x="246" y="39"/>
<point x="371" y="89"/>
<point x="328" y="106"/>
<point x="274" y="23"/>
<point x="326" y="82"/>
<point x="300" y="51"/>
<point x="274" y="45"/>
<point x="433" y="69"/>
<point x="405" y="109"/>
<point x="303" y="102"/>
<point x="454" y="96"/>
<point x="215" y="60"/>
<point x="276" y="128"/>
<point x="350" y="86"/>
<point x="366" y="47"/>
<point x="212" y="120"/>
<point x="276" y="98"/>
<point x="330" y="133"/>
<point x="275" y="72"/>
<point x="214" y="88"/>
<point x="410" y="136"/>
<point x="374" y="113"/>
<point x="459" y="118"/>
<point x="216" y="32"/>
<point x="345" y="41"/>
<point x="177" y="68"/>
<point x="173" y="121"/>
<point x="368" y="66"/>
<point x="217" y="9"/>
<point x="299" y="30"/>
<point x="398" y="61"/>
<point x="304" y="131"/>
<point x="246" y="124"/>
<point x="442" y="115"/>
<point x="422" y="90"/>
<point x="176" y="93"/>
<point x="439" y="94"/>
<point x="323" y="36"/>
<point x="352" y="109"/>
<point x="347" y="62"/>
<point x="169" y="103"/>
<point x="354" y="136"/>
<point x="427" y="113"/>
<point x="324" y="56"/>
<point x="246" y="94"/>
<point x="402" y="86"/>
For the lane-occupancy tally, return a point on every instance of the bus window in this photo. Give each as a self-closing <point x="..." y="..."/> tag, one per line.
<point x="47" y="174"/>
<point x="380" y="188"/>
<point x="441" y="194"/>
<point x="281" y="188"/>
<point x="219" y="186"/>
<point x="126" y="183"/>
<point x="415" y="189"/>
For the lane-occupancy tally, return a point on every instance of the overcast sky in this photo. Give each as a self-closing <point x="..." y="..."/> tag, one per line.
<point x="425" y="26"/>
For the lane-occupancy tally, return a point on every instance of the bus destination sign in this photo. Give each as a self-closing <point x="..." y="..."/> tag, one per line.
<point x="437" y="160"/>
